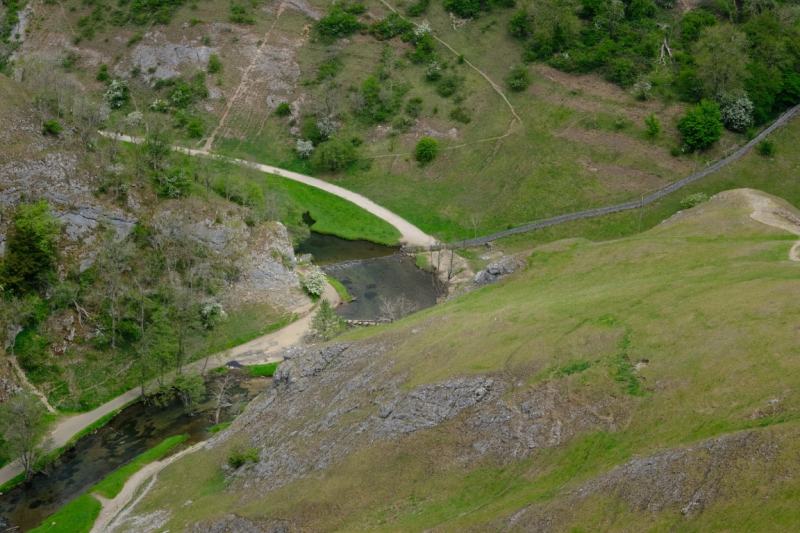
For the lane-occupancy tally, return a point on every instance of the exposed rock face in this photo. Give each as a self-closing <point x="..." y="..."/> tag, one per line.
<point x="684" y="479"/>
<point x="497" y="270"/>
<point x="160" y="59"/>
<point x="328" y="402"/>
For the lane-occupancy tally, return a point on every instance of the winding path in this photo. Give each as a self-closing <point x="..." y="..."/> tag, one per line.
<point x="260" y="350"/>
<point x="410" y="235"/>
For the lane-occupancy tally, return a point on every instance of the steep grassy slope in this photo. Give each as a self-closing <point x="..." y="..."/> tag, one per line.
<point x="646" y="383"/>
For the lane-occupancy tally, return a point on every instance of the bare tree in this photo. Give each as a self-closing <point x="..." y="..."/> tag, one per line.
<point x="113" y="264"/>
<point x="23" y="425"/>
<point x="395" y="308"/>
<point x="221" y="396"/>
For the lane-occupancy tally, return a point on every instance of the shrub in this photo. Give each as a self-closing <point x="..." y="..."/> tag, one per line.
<point x="314" y="282"/>
<point x="418" y="8"/>
<point x="414" y="106"/>
<point x="521" y="25"/>
<point x="652" y="126"/>
<point x="461" y="115"/>
<point x="701" y="126"/>
<point x="102" y="73"/>
<point x="518" y="79"/>
<point x="117" y="94"/>
<point x="766" y="148"/>
<point x="195" y="128"/>
<point x="304" y="148"/>
<point x="326" y="324"/>
<point x="51" y="127"/>
<point x="391" y="26"/>
<point x="426" y="150"/>
<point x="31" y="248"/>
<point x="334" y="155"/>
<point x="693" y="199"/>
<point x="283" y="110"/>
<point x="424" y="47"/>
<point x="240" y="15"/>
<point x="448" y="85"/>
<point x="214" y="64"/>
<point x="464" y="8"/>
<point x="172" y="183"/>
<point x="238" y="457"/>
<point x="736" y="111"/>
<point x="337" y="23"/>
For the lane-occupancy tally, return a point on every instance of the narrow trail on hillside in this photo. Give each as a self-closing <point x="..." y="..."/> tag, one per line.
<point x="769" y="212"/>
<point x="244" y="83"/>
<point x="115" y="510"/>
<point x="516" y="119"/>
<point x="30" y="386"/>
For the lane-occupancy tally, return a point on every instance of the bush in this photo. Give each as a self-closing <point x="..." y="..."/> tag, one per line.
<point x="172" y="183"/>
<point x="240" y="15"/>
<point x="283" y="110"/>
<point x="414" y="106"/>
<point x="391" y="26"/>
<point x="426" y="150"/>
<point x="238" y="457"/>
<point x="701" y="126"/>
<point x="521" y="25"/>
<point x="214" y="64"/>
<point x="766" y="148"/>
<point x="418" y="8"/>
<point x="464" y="8"/>
<point x="461" y="115"/>
<point x="51" y="127"/>
<point x="652" y="126"/>
<point x="314" y="282"/>
<point x="448" y="85"/>
<point x="117" y="94"/>
<point x="337" y="23"/>
<point x="736" y="111"/>
<point x="693" y="199"/>
<point x="31" y="249"/>
<point x="518" y="79"/>
<point x="102" y="73"/>
<point x="304" y="148"/>
<point x="326" y="323"/>
<point x="334" y="155"/>
<point x="424" y="48"/>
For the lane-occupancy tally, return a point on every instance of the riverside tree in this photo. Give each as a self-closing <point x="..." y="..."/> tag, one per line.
<point x="22" y="421"/>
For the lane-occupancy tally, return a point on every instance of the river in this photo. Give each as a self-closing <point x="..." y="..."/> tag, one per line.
<point x="380" y="278"/>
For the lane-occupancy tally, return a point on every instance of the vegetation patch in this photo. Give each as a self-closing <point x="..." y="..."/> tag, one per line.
<point x="266" y="370"/>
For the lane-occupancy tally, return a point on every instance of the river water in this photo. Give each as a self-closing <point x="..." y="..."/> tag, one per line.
<point x="135" y="430"/>
<point x="378" y="277"/>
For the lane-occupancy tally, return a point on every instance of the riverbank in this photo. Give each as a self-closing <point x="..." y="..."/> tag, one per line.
<point x="260" y="350"/>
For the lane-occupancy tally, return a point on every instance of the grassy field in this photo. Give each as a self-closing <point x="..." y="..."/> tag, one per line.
<point x="774" y="175"/>
<point x="78" y="516"/>
<point x="682" y="333"/>
<point x="298" y="206"/>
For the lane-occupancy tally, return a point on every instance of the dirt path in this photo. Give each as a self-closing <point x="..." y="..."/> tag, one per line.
<point x="116" y="509"/>
<point x="410" y="235"/>
<point x="767" y="211"/>
<point x="260" y="350"/>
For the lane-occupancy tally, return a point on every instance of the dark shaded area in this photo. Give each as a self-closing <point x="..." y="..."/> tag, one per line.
<point x="327" y="249"/>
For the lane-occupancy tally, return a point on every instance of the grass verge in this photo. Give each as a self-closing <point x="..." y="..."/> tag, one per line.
<point x="265" y="370"/>
<point x="78" y="516"/>
<point x="341" y="290"/>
